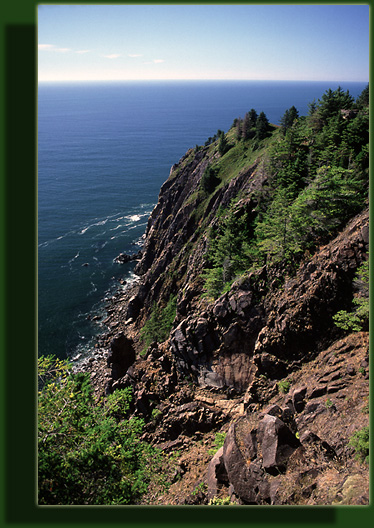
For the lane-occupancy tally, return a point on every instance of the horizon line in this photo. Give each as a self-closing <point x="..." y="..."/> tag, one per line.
<point x="195" y="80"/>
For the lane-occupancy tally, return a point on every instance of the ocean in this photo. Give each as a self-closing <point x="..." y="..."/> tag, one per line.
<point x="104" y="150"/>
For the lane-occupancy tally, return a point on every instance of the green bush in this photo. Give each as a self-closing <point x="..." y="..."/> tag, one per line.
<point x="227" y="254"/>
<point x="88" y="453"/>
<point x="220" y="501"/>
<point x="284" y="386"/>
<point x="218" y="442"/>
<point x="360" y="443"/>
<point x="357" y="320"/>
<point x="210" y="180"/>
<point x="160" y="322"/>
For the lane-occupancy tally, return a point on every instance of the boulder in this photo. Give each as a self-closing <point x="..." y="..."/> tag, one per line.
<point x="298" y="395"/>
<point x="121" y="355"/>
<point x="216" y="475"/>
<point x="123" y="258"/>
<point x="277" y="443"/>
<point x="250" y="454"/>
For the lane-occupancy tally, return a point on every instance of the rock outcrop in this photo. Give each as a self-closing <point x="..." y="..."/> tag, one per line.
<point x="264" y="363"/>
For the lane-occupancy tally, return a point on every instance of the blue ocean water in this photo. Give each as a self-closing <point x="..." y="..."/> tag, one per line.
<point x="104" y="150"/>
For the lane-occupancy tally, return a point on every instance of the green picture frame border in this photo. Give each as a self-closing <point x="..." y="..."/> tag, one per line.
<point x="18" y="234"/>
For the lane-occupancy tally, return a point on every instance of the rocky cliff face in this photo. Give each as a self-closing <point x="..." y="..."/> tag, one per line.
<point x="224" y="364"/>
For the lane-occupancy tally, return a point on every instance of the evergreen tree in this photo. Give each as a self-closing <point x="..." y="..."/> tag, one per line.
<point x="362" y="100"/>
<point x="288" y="118"/>
<point x="332" y="102"/>
<point x="249" y="124"/>
<point x="262" y="126"/>
<point x="209" y="180"/>
<point x="223" y="145"/>
<point x="239" y="128"/>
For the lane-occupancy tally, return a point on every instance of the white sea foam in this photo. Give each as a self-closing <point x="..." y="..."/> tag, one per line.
<point x="93" y="289"/>
<point x="100" y="223"/>
<point x="74" y="258"/>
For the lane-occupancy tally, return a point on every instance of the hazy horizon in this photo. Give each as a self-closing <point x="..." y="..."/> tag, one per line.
<point x="240" y="42"/>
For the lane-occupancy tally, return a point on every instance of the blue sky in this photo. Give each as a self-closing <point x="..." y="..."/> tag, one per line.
<point x="141" y="42"/>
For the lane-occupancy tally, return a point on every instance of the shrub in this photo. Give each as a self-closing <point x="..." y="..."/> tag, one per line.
<point x="88" y="453"/>
<point x="284" y="386"/>
<point x="158" y="326"/>
<point x="209" y="180"/>
<point x="357" y="319"/>
<point x="220" y="501"/>
<point x="219" y="440"/>
<point x="360" y="443"/>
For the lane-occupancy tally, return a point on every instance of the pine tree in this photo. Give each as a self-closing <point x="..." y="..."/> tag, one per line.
<point x="288" y="118"/>
<point x="249" y="124"/>
<point x="262" y="126"/>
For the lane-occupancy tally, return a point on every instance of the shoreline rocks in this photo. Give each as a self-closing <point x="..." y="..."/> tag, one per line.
<point x="123" y="258"/>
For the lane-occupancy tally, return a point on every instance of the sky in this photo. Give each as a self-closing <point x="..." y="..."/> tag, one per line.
<point x="203" y="42"/>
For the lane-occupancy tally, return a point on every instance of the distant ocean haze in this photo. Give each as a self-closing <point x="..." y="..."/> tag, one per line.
<point x="104" y="150"/>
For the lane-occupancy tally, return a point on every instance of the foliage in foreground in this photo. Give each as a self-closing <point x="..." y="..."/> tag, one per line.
<point x="89" y="452"/>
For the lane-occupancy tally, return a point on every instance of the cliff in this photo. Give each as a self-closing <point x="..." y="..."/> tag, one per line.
<point x="258" y="357"/>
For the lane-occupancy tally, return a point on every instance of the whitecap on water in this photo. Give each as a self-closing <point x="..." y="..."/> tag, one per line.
<point x="74" y="258"/>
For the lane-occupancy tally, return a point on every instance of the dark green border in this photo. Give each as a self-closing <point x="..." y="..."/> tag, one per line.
<point x="18" y="323"/>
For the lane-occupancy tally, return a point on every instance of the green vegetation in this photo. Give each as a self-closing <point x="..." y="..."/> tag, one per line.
<point x="288" y="119"/>
<point x="209" y="180"/>
<point x="316" y="170"/>
<point x="283" y="386"/>
<point x="329" y="403"/>
<point x="159" y="324"/>
<point x="89" y="453"/>
<point x="223" y="145"/>
<point x="200" y="488"/>
<point x="360" y="443"/>
<point x="220" y="501"/>
<point x="219" y="440"/>
<point x="156" y="414"/>
<point x="358" y="319"/>
<point x="228" y="252"/>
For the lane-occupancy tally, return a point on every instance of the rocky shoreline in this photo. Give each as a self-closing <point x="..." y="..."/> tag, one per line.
<point x="113" y="317"/>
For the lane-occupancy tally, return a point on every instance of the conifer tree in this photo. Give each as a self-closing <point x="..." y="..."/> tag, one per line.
<point x="262" y="126"/>
<point x="288" y="118"/>
<point x="249" y="124"/>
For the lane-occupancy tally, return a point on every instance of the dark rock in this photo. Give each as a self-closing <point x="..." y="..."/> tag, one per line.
<point x="123" y="258"/>
<point x="298" y="395"/>
<point x="336" y="387"/>
<point x="216" y="475"/>
<point x="221" y="308"/>
<point x="271" y="366"/>
<point x="351" y="371"/>
<point x="244" y="479"/>
<point x="141" y="402"/>
<point x="316" y="392"/>
<point x="277" y="442"/>
<point x="274" y="410"/>
<point x="250" y="454"/>
<point x="121" y="356"/>
<point x="314" y="407"/>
